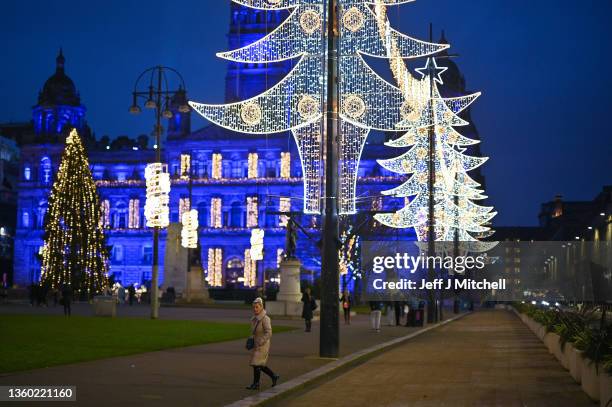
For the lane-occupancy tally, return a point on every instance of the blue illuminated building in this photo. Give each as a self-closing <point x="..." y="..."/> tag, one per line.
<point x="220" y="191"/>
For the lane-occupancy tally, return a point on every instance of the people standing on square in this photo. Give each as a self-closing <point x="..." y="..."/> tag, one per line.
<point x="308" y="308"/>
<point x="346" y="302"/>
<point x="67" y="299"/>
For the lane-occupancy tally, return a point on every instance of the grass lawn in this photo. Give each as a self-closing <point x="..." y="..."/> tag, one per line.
<point x="34" y="341"/>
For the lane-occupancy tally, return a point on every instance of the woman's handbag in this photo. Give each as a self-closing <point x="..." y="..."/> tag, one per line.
<point x="250" y="343"/>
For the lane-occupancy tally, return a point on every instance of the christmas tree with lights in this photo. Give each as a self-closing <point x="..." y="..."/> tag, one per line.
<point x="298" y="102"/>
<point x="74" y="251"/>
<point x="436" y="156"/>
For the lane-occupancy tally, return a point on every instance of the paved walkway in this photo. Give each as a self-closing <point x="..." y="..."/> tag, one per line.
<point x="489" y="358"/>
<point x="206" y="375"/>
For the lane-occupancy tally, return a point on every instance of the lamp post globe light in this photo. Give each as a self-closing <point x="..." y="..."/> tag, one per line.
<point x="152" y="85"/>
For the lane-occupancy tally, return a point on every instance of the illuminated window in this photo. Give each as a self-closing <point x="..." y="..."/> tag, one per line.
<point x="105" y="215"/>
<point x="185" y="166"/>
<point x="250" y="270"/>
<point x="252" y="212"/>
<point x="215" y="267"/>
<point x="217" y="166"/>
<point x="25" y="219"/>
<point x="284" y="206"/>
<point x="45" y="170"/>
<point x="285" y="170"/>
<point x="253" y="162"/>
<point x="27" y="173"/>
<point x="134" y="214"/>
<point x="215" y="213"/>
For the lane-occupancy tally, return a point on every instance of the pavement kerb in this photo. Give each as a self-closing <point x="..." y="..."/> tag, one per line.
<point x="302" y="381"/>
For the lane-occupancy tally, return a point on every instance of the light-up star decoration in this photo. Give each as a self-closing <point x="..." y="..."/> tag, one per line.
<point x="432" y="68"/>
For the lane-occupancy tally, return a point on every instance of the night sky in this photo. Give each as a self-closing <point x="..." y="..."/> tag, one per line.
<point x="542" y="65"/>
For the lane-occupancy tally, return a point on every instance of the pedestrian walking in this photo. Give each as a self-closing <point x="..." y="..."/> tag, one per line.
<point x="308" y="308"/>
<point x="375" y="314"/>
<point x="259" y="344"/>
<point x="66" y="299"/>
<point x="346" y="302"/>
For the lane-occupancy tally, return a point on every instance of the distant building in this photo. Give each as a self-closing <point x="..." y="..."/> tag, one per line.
<point x="9" y="170"/>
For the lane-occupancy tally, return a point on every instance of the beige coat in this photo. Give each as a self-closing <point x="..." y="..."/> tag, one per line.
<point x="262" y="335"/>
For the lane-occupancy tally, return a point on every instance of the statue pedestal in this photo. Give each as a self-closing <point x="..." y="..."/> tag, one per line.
<point x="197" y="291"/>
<point x="289" y="298"/>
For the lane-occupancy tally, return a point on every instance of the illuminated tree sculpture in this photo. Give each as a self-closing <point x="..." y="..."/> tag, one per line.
<point x="74" y="250"/>
<point x="297" y="102"/>
<point x="456" y="215"/>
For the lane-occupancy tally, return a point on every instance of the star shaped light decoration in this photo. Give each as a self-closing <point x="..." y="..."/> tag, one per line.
<point x="436" y="70"/>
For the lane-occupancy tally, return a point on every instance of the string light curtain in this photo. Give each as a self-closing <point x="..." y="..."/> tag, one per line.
<point x="250" y="270"/>
<point x="252" y="171"/>
<point x="185" y="166"/>
<point x="215" y="267"/>
<point x="105" y="218"/>
<point x="216" y="213"/>
<point x="285" y="167"/>
<point x="252" y="212"/>
<point x="217" y="166"/>
<point x="74" y="249"/>
<point x="134" y="214"/>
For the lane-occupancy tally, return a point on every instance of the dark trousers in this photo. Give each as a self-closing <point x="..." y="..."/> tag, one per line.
<point x="66" y="307"/>
<point x="398" y="313"/>
<point x="347" y="315"/>
<point x="257" y="373"/>
<point x="308" y="324"/>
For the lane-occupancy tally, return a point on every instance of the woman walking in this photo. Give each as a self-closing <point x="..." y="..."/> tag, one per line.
<point x="309" y="306"/>
<point x="346" y="302"/>
<point x="261" y="327"/>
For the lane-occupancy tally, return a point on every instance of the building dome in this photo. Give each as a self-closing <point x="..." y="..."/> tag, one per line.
<point x="59" y="88"/>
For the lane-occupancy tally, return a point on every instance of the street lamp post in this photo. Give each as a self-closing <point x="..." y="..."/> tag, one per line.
<point x="158" y="96"/>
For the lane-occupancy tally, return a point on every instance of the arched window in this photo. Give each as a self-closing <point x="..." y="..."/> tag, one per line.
<point x="236" y="215"/>
<point x="120" y="218"/>
<point x="25" y="219"/>
<point x="27" y="172"/>
<point x="42" y="211"/>
<point x="45" y="170"/>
